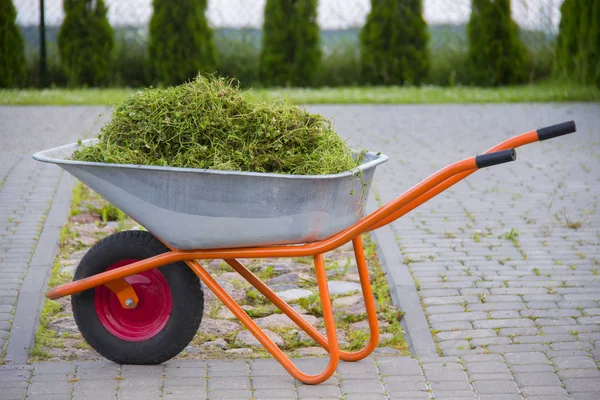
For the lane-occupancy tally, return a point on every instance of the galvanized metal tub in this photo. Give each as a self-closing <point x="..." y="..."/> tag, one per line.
<point x="207" y="209"/>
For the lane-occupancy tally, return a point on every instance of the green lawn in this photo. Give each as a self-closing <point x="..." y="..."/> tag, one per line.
<point x="546" y="92"/>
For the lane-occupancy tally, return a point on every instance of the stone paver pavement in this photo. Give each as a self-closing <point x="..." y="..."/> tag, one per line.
<point x="509" y="287"/>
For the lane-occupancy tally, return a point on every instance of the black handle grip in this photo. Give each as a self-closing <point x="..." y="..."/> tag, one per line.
<point x="498" y="157"/>
<point x="553" y="131"/>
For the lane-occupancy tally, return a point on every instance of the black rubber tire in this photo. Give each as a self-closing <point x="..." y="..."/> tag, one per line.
<point x="186" y="292"/>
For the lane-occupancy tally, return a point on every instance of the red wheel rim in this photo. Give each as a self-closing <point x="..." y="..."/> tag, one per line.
<point x="148" y="318"/>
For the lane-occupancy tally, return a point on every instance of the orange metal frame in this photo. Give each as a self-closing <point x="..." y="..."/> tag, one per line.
<point x="393" y="210"/>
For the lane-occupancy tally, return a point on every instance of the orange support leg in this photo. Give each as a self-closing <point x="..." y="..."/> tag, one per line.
<point x="363" y="273"/>
<point x="264" y="339"/>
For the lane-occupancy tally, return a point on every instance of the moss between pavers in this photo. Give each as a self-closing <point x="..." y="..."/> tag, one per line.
<point x="92" y="218"/>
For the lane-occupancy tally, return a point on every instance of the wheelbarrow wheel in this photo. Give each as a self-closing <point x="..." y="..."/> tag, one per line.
<point x="168" y="313"/>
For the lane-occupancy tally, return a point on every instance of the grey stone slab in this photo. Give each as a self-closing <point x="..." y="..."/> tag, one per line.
<point x="563" y="363"/>
<point x="40" y="388"/>
<point x="491" y="377"/>
<point x="13" y="393"/>
<point x="518" y="348"/>
<point x="226" y="382"/>
<point x="365" y="396"/>
<point x="399" y="366"/>
<point x="229" y="394"/>
<point x="362" y="386"/>
<point x="502" y="323"/>
<point x="445" y="374"/>
<point x="575" y="385"/>
<point x="319" y="391"/>
<point x="279" y="382"/>
<point x="275" y="394"/>
<point x="536" y="379"/>
<point x="495" y="387"/>
<point x="448" y="386"/>
<point x="393" y="384"/>
<point x="532" y="368"/>
<point x="487" y="368"/>
<point x="525" y="358"/>
<point x="544" y="391"/>
<point x="578" y="373"/>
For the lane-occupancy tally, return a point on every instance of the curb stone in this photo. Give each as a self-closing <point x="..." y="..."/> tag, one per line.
<point x="31" y="296"/>
<point x="404" y="293"/>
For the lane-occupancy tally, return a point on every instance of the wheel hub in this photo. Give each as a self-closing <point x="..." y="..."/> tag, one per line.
<point x="151" y="313"/>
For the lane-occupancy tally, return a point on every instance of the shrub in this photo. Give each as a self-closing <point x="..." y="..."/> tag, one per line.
<point x="85" y="43"/>
<point x="290" y="53"/>
<point x="181" y="42"/>
<point x="497" y="55"/>
<point x="578" y="42"/>
<point x="394" y="43"/>
<point x="12" y="47"/>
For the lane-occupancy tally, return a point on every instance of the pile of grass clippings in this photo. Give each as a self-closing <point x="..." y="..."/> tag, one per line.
<point x="207" y="123"/>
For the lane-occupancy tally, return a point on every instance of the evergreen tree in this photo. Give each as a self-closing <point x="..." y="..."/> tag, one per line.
<point x="394" y="43"/>
<point x="290" y="53"/>
<point x="594" y="57"/>
<point x="181" y="42"/>
<point x="85" y="42"/>
<point x="12" y="48"/>
<point x="567" y="42"/>
<point x="578" y="41"/>
<point x="497" y="56"/>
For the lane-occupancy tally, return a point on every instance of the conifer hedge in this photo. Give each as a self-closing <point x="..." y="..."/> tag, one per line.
<point x="181" y="42"/>
<point x="85" y="43"/>
<point x="394" y="43"/>
<point x="12" y="53"/>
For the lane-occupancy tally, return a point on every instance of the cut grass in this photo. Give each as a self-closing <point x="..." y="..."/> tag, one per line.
<point x="207" y="123"/>
<point x="541" y="92"/>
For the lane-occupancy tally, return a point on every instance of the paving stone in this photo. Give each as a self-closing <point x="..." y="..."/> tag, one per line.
<point x="471" y="316"/>
<point x="502" y="323"/>
<point x="578" y="373"/>
<point x="399" y="366"/>
<point x="584" y="396"/>
<point x="487" y="368"/>
<point x="445" y="374"/>
<point x="545" y="338"/>
<point x="274" y="394"/>
<point x="575" y="385"/>
<point x="466" y="333"/>
<point x="532" y="368"/>
<point x="364" y="396"/>
<point x="361" y="386"/>
<point x="544" y="391"/>
<point x="518" y="348"/>
<point x="563" y="363"/>
<point x="500" y="397"/>
<point x="495" y="387"/>
<point x="536" y="379"/>
<point x="525" y="358"/>
<point x="229" y="394"/>
<point x="317" y="391"/>
<point x="490" y="377"/>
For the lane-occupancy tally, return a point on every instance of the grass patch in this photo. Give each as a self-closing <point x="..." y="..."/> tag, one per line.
<point x="539" y="92"/>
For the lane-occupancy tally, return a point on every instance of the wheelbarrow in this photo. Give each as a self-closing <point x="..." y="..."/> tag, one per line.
<point x="136" y="295"/>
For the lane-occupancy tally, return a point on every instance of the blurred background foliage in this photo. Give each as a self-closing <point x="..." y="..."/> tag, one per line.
<point x="393" y="46"/>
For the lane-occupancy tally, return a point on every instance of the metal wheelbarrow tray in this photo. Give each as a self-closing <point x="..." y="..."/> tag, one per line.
<point x="192" y="209"/>
<point x="136" y="296"/>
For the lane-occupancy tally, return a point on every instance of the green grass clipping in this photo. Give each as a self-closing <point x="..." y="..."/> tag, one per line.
<point x="207" y="123"/>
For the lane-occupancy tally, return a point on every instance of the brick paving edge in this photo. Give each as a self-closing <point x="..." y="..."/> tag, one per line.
<point x="404" y="292"/>
<point x="32" y="294"/>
